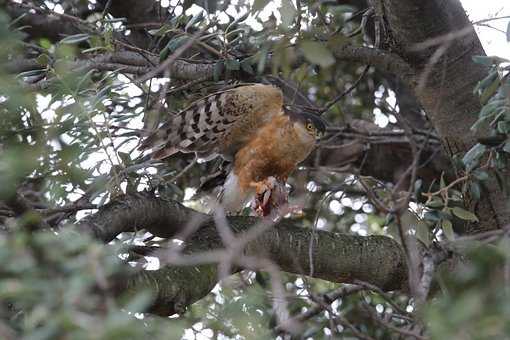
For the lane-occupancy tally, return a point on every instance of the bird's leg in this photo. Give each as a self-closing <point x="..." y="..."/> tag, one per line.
<point x="271" y="196"/>
<point x="280" y="198"/>
<point x="262" y="186"/>
<point x="263" y="192"/>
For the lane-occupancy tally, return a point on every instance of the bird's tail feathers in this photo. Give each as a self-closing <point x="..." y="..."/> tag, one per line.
<point x="162" y="143"/>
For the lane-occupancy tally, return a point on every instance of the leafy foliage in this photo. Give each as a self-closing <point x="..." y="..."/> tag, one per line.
<point x="494" y="118"/>
<point x="70" y="125"/>
<point x="59" y="286"/>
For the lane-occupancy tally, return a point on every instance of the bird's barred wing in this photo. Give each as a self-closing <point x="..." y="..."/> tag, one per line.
<point x="219" y="122"/>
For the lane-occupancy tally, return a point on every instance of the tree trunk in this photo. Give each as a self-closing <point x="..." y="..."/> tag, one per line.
<point x="437" y="40"/>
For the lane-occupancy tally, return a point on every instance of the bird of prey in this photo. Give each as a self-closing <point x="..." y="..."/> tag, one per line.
<point x="248" y="126"/>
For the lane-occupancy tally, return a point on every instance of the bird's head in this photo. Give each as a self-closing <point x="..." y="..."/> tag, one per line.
<point x="314" y="125"/>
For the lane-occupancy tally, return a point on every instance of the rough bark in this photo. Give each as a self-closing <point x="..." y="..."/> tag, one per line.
<point x="378" y="260"/>
<point x="41" y="25"/>
<point x="444" y="78"/>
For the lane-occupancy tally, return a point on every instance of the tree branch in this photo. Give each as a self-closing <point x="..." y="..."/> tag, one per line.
<point x="381" y="59"/>
<point x="127" y="61"/>
<point x="340" y="258"/>
<point x="40" y="25"/>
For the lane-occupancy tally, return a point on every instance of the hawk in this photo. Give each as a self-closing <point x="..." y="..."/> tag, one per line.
<point x="248" y="126"/>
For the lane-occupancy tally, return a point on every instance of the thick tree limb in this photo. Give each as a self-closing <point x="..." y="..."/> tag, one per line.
<point x="139" y="63"/>
<point x="383" y="60"/>
<point x="378" y="260"/>
<point x="126" y="61"/>
<point x="41" y="25"/>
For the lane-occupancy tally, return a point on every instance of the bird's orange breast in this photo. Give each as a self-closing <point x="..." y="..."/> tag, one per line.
<point x="275" y="150"/>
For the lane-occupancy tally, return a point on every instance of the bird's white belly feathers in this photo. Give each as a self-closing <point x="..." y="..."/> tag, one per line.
<point x="232" y="198"/>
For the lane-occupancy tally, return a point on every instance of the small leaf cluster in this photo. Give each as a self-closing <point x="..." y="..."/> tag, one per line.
<point x="494" y="117"/>
<point x="59" y="286"/>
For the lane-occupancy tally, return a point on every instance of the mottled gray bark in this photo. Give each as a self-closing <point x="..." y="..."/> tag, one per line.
<point x="39" y="25"/>
<point x="436" y="39"/>
<point x="378" y="260"/>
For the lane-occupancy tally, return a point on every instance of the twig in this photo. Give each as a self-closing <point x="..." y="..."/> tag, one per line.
<point x="330" y="297"/>
<point x="332" y="102"/>
<point x="388" y="325"/>
<point x="67" y="208"/>
<point x="183" y="171"/>
<point x="164" y="65"/>
<point x="385" y="296"/>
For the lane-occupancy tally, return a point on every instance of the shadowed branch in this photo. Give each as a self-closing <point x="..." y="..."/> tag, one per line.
<point x="190" y="276"/>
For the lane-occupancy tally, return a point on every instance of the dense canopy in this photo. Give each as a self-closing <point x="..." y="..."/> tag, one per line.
<point x="400" y="222"/>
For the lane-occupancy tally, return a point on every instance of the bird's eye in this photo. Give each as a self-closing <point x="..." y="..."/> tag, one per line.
<point x="309" y="127"/>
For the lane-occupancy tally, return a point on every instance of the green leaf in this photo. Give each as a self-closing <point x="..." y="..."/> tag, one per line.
<point x="233" y="26"/>
<point x="163" y="30"/>
<point x="489" y="109"/>
<point x="164" y="53"/>
<point x="464" y="214"/>
<point x="390" y="218"/>
<point x="43" y="59"/>
<point x="483" y="60"/>
<point x="126" y="158"/>
<point x="317" y="53"/>
<point x="197" y="18"/>
<point x="503" y="127"/>
<point x="218" y="70"/>
<point x="489" y="91"/>
<point x="432" y="216"/>
<point x="30" y="73"/>
<point x="45" y="43"/>
<point x="262" y="55"/>
<point x="435" y="202"/>
<point x="471" y="157"/>
<point x="478" y="123"/>
<point x="288" y="13"/>
<point x="95" y="49"/>
<point x="474" y="189"/>
<point x="423" y="232"/>
<point x="76" y="38"/>
<point x="481" y="175"/>
<point x="259" y="5"/>
<point x="447" y="227"/>
<point x="484" y="83"/>
<point x="442" y="183"/>
<point x="418" y="187"/>
<point x="247" y="67"/>
<point x="501" y="181"/>
<point x="232" y="65"/>
<point x="172" y="46"/>
<point x="506" y="147"/>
